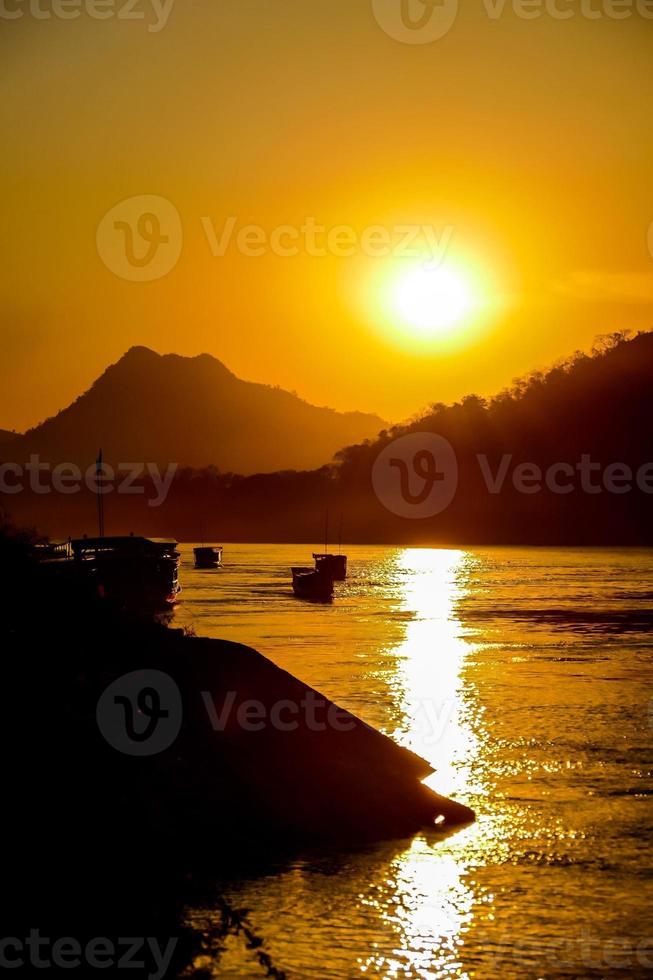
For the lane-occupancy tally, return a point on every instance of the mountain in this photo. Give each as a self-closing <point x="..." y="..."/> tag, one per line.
<point x="563" y="457"/>
<point x="7" y="438"/>
<point x="196" y="413"/>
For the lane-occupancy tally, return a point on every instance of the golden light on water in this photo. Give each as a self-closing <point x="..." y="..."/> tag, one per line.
<point x="430" y="907"/>
<point x="432" y="903"/>
<point x="434" y="906"/>
<point x="430" y="661"/>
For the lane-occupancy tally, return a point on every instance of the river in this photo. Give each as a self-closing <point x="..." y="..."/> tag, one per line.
<point x="525" y="676"/>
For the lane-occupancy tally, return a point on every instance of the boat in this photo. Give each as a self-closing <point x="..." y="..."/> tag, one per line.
<point x="312" y="583"/>
<point x="335" y="565"/>
<point x="209" y="556"/>
<point x="130" y="570"/>
<point x="45" y="551"/>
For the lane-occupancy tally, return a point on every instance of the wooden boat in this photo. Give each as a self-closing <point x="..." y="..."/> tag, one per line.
<point x="335" y="565"/>
<point x="51" y="551"/>
<point x="208" y="557"/>
<point x="132" y="571"/>
<point x="311" y="583"/>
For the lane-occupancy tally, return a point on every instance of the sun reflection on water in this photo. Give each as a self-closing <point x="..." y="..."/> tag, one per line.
<point x="431" y="903"/>
<point x="429" y="662"/>
<point x="543" y="736"/>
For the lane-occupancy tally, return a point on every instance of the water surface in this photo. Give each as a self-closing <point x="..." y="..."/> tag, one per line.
<point x="524" y="676"/>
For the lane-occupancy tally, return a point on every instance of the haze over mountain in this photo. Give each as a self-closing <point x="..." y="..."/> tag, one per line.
<point x="194" y="412"/>
<point x="563" y="457"/>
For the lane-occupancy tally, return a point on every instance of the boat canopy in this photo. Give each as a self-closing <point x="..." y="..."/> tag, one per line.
<point x="123" y="543"/>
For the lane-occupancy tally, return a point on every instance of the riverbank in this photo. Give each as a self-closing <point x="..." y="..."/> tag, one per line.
<point x="141" y="755"/>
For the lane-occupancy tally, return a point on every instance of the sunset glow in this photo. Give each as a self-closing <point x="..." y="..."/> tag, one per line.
<point x="291" y="200"/>
<point x="432" y="301"/>
<point x="326" y="482"/>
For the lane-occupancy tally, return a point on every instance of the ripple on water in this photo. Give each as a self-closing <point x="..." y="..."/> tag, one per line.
<point x="524" y="677"/>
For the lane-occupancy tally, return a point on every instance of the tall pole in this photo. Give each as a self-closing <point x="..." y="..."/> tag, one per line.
<point x="99" y="473"/>
<point x="326" y="533"/>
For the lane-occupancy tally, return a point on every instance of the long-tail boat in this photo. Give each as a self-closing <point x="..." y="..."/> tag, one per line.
<point x="208" y="556"/>
<point x="133" y="571"/>
<point x="334" y="565"/>
<point x="129" y="571"/>
<point x="312" y="583"/>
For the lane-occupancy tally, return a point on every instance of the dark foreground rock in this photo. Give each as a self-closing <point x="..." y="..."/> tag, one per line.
<point x="261" y="756"/>
<point x="134" y="755"/>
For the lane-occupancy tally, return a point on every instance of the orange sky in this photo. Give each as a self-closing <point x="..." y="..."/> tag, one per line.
<point x="528" y="139"/>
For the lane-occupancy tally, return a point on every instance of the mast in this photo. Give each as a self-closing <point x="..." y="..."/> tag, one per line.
<point x="99" y="475"/>
<point x="340" y="534"/>
<point x="326" y="533"/>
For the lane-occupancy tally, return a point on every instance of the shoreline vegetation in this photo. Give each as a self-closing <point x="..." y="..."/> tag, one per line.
<point x="104" y="842"/>
<point x="562" y="458"/>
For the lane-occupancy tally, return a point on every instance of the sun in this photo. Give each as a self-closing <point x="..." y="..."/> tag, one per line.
<point x="427" y="308"/>
<point x="432" y="301"/>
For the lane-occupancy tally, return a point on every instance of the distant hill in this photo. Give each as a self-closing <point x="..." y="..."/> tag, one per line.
<point x="193" y="412"/>
<point x="563" y="457"/>
<point x="7" y="439"/>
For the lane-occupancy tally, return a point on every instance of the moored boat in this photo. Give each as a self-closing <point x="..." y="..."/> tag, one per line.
<point x="208" y="556"/>
<point x="132" y="571"/>
<point x="335" y="565"/>
<point x="312" y="583"/>
<point x="47" y="551"/>
<point x="329" y="564"/>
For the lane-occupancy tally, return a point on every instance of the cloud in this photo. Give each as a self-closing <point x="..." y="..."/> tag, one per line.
<point x="601" y="286"/>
